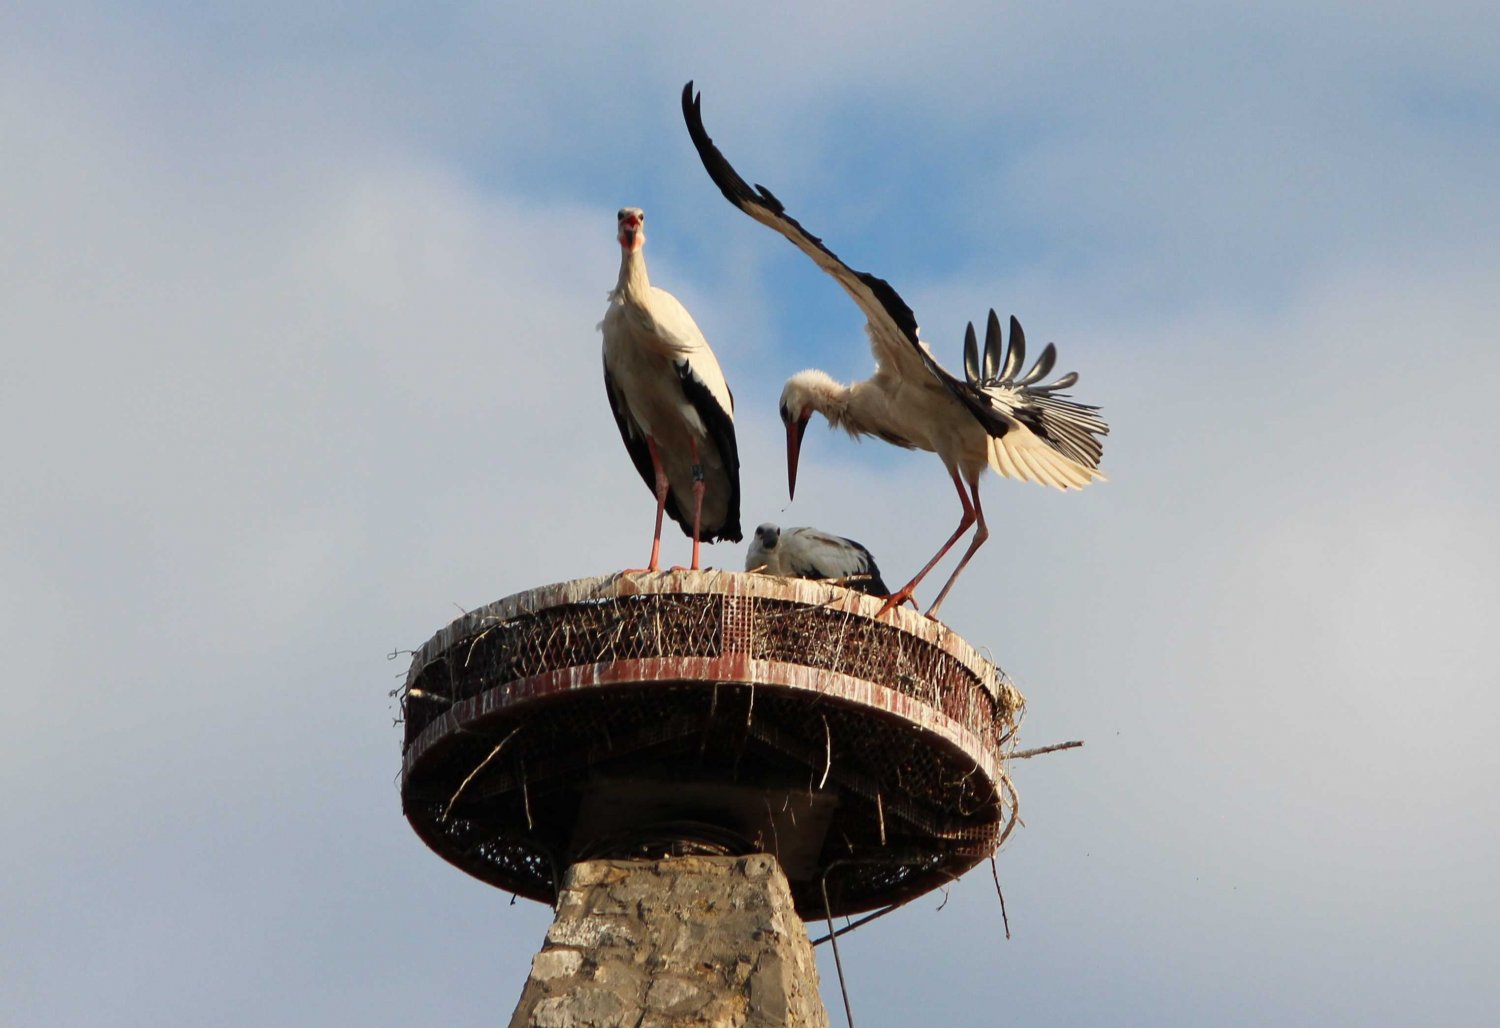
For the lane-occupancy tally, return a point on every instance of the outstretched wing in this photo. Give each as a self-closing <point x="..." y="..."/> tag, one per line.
<point x="892" y="325"/>
<point x="1036" y="433"/>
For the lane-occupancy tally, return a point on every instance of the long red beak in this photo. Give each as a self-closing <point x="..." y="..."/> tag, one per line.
<point x="794" y="430"/>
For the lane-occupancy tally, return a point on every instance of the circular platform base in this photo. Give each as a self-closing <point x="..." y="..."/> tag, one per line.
<point x="707" y="712"/>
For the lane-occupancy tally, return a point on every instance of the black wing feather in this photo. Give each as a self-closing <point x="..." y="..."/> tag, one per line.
<point x="720" y="425"/>
<point x="740" y="193"/>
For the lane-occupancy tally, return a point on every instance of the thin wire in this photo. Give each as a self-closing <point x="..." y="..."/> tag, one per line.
<point x="837" y="963"/>
<point x="856" y="924"/>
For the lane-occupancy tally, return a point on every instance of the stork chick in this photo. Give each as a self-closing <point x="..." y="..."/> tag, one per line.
<point x="809" y="553"/>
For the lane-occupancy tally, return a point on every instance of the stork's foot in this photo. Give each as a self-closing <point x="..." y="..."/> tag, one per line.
<point x="895" y="600"/>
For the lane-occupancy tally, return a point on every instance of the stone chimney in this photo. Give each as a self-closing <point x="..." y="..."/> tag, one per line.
<point x="680" y="941"/>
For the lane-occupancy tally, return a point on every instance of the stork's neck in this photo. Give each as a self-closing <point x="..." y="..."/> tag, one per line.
<point x="633" y="279"/>
<point x="818" y="390"/>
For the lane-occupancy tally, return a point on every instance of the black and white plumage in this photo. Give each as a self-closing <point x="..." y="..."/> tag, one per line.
<point x="1018" y="426"/>
<point x="670" y="401"/>
<point x="809" y="553"/>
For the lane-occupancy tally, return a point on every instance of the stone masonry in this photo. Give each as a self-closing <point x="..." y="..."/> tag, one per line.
<point x="676" y="942"/>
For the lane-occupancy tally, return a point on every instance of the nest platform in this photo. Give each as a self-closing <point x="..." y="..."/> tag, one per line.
<point x="708" y="712"/>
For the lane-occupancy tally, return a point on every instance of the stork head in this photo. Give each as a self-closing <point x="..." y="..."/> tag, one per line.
<point x="632" y="222"/>
<point x="805" y="392"/>
<point x="758" y="557"/>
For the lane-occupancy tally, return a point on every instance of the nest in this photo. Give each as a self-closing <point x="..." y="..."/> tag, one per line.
<point x="533" y="722"/>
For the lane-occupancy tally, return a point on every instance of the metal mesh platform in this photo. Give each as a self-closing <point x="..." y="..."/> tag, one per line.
<point x="708" y="712"/>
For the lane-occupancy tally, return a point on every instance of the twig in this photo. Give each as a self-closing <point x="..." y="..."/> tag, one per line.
<point x="475" y="642"/>
<point x="827" y="752"/>
<point x="1024" y="754"/>
<point x="1015" y="810"/>
<point x="480" y="767"/>
<point x="1003" y="916"/>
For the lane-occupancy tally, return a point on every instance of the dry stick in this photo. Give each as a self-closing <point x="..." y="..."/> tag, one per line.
<point x="475" y="642"/>
<point x="1015" y="811"/>
<point x="1023" y="754"/>
<point x="827" y="752"/>
<point x="464" y="784"/>
<point x="775" y="835"/>
<point x="526" y="799"/>
<point x="833" y="936"/>
<point x="1003" y="916"/>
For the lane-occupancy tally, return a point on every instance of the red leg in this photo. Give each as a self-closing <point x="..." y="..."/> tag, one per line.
<point x="903" y="594"/>
<point x="698" y="490"/>
<point x="980" y="535"/>
<point x="661" y="506"/>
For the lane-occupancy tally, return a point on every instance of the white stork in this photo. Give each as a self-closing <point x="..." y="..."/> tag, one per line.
<point x="809" y="553"/>
<point x="670" y="400"/>
<point x="1017" y="426"/>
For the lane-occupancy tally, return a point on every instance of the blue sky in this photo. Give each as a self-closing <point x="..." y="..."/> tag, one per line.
<point x="299" y="308"/>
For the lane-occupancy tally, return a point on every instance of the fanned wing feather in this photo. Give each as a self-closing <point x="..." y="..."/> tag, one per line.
<point x="1016" y="355"/>
<point x="971" y="356"/>
<point x="1059" y="439"/>
<point x="1042" y="367"/>
<point x="992" y="347"/>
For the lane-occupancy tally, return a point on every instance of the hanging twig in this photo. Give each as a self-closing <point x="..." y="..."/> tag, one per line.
<point x="1003" y="916"/>
<point x="827" y="752"/>
<point x="480" y="767"/>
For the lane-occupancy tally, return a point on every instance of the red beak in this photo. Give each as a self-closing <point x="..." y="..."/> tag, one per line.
<point x="794" y="430"/>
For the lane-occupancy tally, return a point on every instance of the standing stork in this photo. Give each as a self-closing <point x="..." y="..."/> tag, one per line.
<point x="809" y="553"/>
<point x="670" y="401"/>
<point x="1016" y="425"/>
